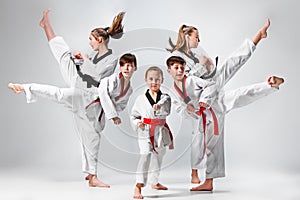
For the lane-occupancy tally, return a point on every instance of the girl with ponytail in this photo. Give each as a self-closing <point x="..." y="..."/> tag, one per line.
<point x="91" y="69"/>
<point x="82" y="74"/>
<point x="203" y="67"/>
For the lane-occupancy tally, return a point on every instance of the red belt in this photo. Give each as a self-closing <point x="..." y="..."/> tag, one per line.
<point x="215" y="121"/>
<point x="153" y="123"/>
<point x="95" y="101"/>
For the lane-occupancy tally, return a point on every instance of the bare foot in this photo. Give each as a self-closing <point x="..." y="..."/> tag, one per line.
<point x="45" y="24"/>
<point x="17" y="88"/>
<point x="88" y="177"/>
<point x="195" y="178"/>
<point x="159" y="186"/>
<point x="45" y="19"/>
<point x="262" y="32"/>
<point x="206" y="186"/>
<point x="138" y="192"/>
<point x="95" y="182"/>
<point x="275" y="81"/>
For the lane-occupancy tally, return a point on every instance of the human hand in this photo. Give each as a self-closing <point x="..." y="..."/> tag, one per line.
<point x="206" y="61"/>
<point x="140" y="124"/>
<point x="190" y="108"/>
<point x="85" y="56"/>
<point x="156" y="107"/>
<point x="202" y="104"/>
<point x="116" y="120"/>
<point x="79" y="55"/>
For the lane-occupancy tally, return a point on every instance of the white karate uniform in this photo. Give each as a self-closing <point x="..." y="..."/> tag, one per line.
<point x="225" y="101"/>
<point x="78" y="96"/>
<point x="95" y="68"/>
<point x="222" y="74"/>
<point x="91" y="120"/>
<point x="89" y="128"/>
<point x="141" y="110"/>
<point x="84" y="78"/>
<point x="113" y="99"/>
<point x="113" y="96"/>
<point x="197" y="90"/>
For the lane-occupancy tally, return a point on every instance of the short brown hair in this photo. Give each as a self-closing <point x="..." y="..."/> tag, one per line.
<point x="175" y="59"/>
<point x="127" y="58"/>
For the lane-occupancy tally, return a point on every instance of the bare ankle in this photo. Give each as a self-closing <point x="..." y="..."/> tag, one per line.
<point x="195" y="178"/>
<point x="140" y="185"/>
<point x="138" y="191"/>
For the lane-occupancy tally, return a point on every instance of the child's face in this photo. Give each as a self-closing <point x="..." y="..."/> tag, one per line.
<point x="94" y="43"/>
<point x="127" y="70"/>
<point x="154" y="80"/>
<point x="193" y="39"/>
<point x="176" y="71"/>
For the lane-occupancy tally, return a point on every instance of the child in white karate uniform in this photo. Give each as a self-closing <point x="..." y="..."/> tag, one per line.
<point x="193" y="96"/>
<point x="202" y="66"/>
<point x="114" y="92"/>
<point x="148" y="119"/>
<point x="79" y="69"/>
<point x="84" y="73"/>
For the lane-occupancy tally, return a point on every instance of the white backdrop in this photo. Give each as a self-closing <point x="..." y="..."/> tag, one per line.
<point x="41" y="137"/>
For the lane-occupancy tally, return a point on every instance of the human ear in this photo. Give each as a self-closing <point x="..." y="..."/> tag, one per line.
<point x="99" y="39"/>
<point x="187" y="37"/>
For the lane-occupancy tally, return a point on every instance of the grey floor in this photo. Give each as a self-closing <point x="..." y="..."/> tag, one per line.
<point x="43" y="184"/>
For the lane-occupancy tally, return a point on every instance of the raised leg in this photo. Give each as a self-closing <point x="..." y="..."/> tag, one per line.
<point x="46" y="25"/>
<point x="261" y="33"/>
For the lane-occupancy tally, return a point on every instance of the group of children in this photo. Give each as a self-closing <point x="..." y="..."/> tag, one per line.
<point x="213" y="166"/>
<point x="95" y="92"/>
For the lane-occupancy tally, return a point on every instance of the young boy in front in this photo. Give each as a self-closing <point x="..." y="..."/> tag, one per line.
<point x="193" y="98"/>
<point x="148" y="118"/>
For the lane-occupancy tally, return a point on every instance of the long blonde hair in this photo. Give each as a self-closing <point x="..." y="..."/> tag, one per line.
<point x="115" y="30"/>
<point x="181" y="44"/>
